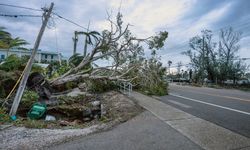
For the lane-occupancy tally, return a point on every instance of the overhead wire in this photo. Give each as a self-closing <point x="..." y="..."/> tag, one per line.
<point x="70" y="21"/>
<point x="22" y="7"/>
<point x="16" y="16"/>
<point x="35" y="9"/>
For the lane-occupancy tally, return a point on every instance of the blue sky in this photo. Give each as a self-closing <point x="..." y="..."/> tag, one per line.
<point x="183" y="19"/>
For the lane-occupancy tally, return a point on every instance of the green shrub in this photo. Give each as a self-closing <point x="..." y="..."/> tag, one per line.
<point x="70" y="85"/>
<point x="4" y="117"/>
<point x="159" y="89"/>
<point x="29" y="98"/>
<point x="12" y="63"/>
<point x="100" y="86"/>
<point x="29" y="123"/>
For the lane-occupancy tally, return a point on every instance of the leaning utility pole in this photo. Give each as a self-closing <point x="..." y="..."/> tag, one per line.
<point x="23" y="82"/>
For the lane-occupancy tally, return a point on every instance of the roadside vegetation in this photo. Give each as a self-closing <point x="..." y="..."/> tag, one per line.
<point x="216" y="63"/>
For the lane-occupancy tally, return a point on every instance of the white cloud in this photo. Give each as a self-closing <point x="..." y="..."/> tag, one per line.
<point x="149" y="15"/>
<point x="121" y="3"/>
<point x="146" y="16"/>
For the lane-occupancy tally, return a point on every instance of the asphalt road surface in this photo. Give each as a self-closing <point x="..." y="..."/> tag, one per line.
<point x="227" y="108"/>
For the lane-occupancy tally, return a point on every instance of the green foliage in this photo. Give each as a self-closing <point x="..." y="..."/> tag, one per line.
<point x="29" y="123"/>
<point x="75" y="60"/>
<point x="70" y="85"/>
<point x="29" y="98"/>
<point x="152" y="78"/>
<point x="12" y="63"/>
<point x="4" y="35"/>
<point x="55" y="69"/>
<point x="11" y="70"/>
<point x="160" y="89"/>
<point x="68" y="100"/>
<point x="100" y="86"/>
<point x="4" y="117"/>
<point x="157" y="42"/>
<point x="8" y="42"/>
<point x="7" y="81"/>
<point x="216" y="61"/>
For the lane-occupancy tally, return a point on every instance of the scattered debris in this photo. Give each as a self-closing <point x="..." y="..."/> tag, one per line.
<point x="50" y="118"/>
<point x="76" y="92"/>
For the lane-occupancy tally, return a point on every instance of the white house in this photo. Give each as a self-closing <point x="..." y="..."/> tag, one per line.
<point x="41" y="56"/>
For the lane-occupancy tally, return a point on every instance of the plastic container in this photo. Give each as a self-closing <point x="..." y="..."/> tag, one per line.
<point x="37" y="111"/>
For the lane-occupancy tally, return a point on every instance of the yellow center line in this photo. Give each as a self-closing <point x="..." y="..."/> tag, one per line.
<point x="229" y="97"/>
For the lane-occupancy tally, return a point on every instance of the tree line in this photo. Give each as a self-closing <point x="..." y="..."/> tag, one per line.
<point x="216" y="60"/>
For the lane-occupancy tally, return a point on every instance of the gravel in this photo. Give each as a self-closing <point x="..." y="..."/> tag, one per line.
<point x="24" y="138"/>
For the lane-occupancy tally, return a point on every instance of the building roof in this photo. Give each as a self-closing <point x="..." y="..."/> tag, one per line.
<point x="29" y="51"/>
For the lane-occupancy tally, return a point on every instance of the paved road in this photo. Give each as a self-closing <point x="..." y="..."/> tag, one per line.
<point x="227" y="108"/>
<point x="144" y="132"/>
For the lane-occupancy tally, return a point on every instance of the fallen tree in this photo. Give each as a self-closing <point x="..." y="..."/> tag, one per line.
<point x="117" y="45"/>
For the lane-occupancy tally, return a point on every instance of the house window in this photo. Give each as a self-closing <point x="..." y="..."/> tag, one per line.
<point x="2" y="56"/>
<point x="52" y="56"/>
<point x="46" y="56"/>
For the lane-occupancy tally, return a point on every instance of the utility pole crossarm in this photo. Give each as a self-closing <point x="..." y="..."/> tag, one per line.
<point x="23" y="82"/>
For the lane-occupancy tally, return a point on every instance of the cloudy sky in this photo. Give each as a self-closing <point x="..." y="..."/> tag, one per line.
<point x="183" y="19"/>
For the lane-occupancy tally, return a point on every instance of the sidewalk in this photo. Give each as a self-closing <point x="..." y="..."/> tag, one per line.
<point x="144" y="132"/>
<point x="203" y="133"/>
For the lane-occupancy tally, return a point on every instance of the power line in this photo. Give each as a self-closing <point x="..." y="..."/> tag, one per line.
<point x="70" y="21"/>
<point x="16" y="16"/>
<point x="34" y="9"/>
<point x="22" y="7"/>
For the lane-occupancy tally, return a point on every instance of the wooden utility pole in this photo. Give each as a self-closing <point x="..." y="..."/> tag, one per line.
<point x="203" y="57"/>
<point x="86" y="44"/>
<point x="75" y="40"/>
<point x="23" y="82"/>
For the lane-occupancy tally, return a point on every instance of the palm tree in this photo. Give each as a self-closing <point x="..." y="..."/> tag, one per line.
<point x="88" y="40"/>
<point x="7" y="42"/>
<point x="75" y="60"/>
<point x="3" y="36"/>
<point x="169" y="64"/>
<point x="15" y="43"/>
<point x="89" y="36"/>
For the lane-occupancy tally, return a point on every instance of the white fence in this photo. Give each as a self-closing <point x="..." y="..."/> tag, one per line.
<point x="125" y="88"/>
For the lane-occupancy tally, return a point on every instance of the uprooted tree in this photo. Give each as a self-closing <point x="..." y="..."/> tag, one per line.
<point x="126" y="53"/>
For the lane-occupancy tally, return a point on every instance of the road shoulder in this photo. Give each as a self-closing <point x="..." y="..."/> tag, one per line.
<point x="201" y="132"/>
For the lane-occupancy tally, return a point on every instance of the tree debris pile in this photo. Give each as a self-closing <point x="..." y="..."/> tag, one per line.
<point x="84" y="110"/>
<point x="124" y="60"/>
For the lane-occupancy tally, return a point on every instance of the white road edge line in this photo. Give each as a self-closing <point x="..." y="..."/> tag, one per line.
<point x="227" y="108"/>
<point x="179" y="104"/>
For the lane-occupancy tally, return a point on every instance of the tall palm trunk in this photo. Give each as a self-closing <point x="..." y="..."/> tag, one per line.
<point x="85" y="47"/>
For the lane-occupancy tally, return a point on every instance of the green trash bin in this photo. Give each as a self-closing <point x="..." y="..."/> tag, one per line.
<point x="37" y="111"/>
